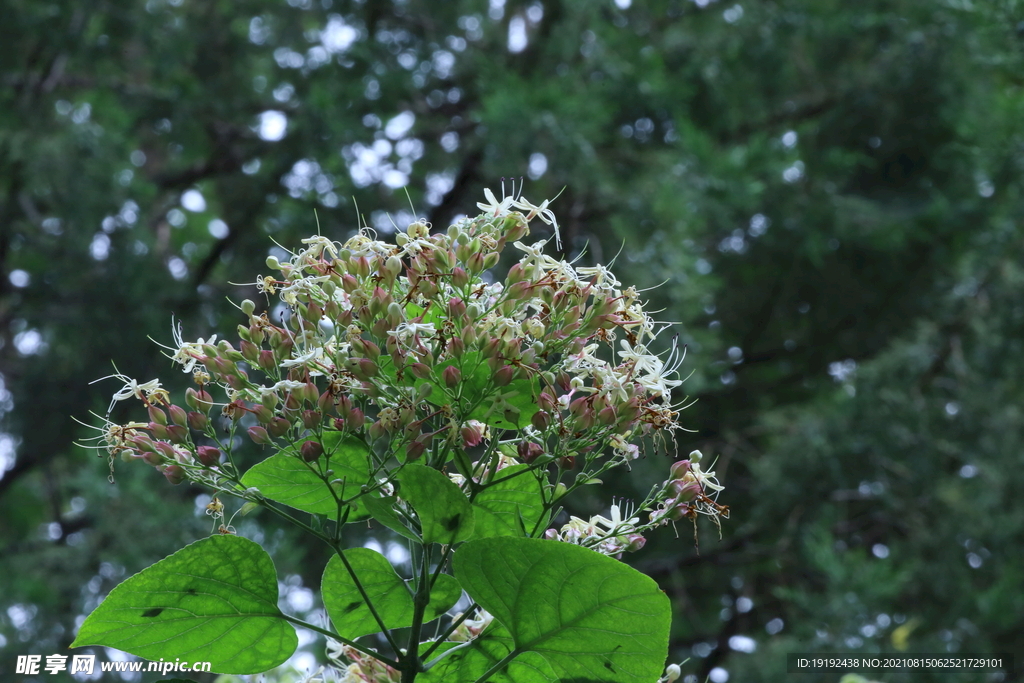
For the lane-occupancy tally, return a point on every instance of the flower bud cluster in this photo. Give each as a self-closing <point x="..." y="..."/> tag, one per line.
<point x="357" y="667"/>
<point x="415" y="346"/>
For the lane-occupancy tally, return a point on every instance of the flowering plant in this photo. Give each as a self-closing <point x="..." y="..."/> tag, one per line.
<point x="404" y="387"/>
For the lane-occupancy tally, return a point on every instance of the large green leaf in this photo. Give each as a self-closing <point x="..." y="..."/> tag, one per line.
<point x="468" y="664"/>
<point x="511" y="503"/>
<point x="591" y="617"/>
<point x="212" y="601"/>
<point x="287" y="478"/>
<point x="386" y="590"/>
<point x="445" y="513"/>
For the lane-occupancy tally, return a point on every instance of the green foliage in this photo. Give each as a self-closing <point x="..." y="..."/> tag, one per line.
<point x="511" y="505"/>
<point x="208" y="602"/>
<point x="287" y="478"/>
<point x="469" y="664"/>
<point x="444" y="512"/>
<point x="589" y="616"/>
<point x="390" y="596"/>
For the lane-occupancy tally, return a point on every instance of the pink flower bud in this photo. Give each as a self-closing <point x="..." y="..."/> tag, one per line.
<point x="165" y="449"/>
<point x="198" y="421"/>
<point x="460" y="278"/>
<point x="250" y="351"/>
<point x="414" y="451"/>
<point x="607" y="416"/>
<point x="198" y="400"/>
<point x="311" y="451"/>
<point x="345" y="406"/>
<point x="679" y="469"/>
<point x="267" y="362"/>
<point x="540" y="420"/>
<point x="339" y="424"/>
<point x="175" y="474"/>
<point x="635" y="542"/>
<point x="567" y="462"/>
<point x="157" y="430"/>
<point x="356" y="419"/>
<point x="152" y="458"/>
<point x="278" y="426"/>
<point x="579" y="406"/>
<point x="456" y="347"/>
<point x="377" y="430"/>
<point x="685" y="491"/>
<point x="177" y="433"/>
<point x="515" y="274"/>
<point x="178" y="415"/>
<point x="310" y="419"/>
<point x="551" y="535"/>
<point x="456" y="307"/>
<point x="504" y="375"/>
<point x="451" y="376"/>
<point x="259" y="435"/>
<point x="420" y="370"/>
<point x="208" y="455"/>
<point x="157" y="415"/>
<point x="546" y="401"/>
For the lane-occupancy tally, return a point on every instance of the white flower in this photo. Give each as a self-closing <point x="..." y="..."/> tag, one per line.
<point x="131" y="388"/>
<point x="187" y="354"/>
<point x="543" y="212"/>
<point x="407" y="331"/>
<point x="603" y="278"/>
<point x="493" y="206"/>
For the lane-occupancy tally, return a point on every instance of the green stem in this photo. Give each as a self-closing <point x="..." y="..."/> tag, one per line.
<point x="366" y="598"/>
<point x="411" y="660"/>
<point x="341" y="639"/>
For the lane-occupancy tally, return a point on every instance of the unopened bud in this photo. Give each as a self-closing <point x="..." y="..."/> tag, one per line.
<point x="278" y="426"/>
<point x="310" y="419"/>
<point x="377" y="430"/>
<point x="247" y="306"/>
<point x="420" y="370"/>
<point x="356" y="419"/>
<point x="529" y="451"/>
<point x="414" y="451"/>
<point x="635" y="542"/>
<point x="259" y="435"/>
<point x="541" y="420"/>
<point x="679" y="469"/>
<point x="175" y="474"/>
<point x="311" y="451"/>
<point x="157" y="415"/>
<point x="504" y="375"/>
<point x="460" y="278"/>
<point x="157" y="430"/>
<point x="208" y="455"/>
<point x="608" y="416"/>
<point x="178" y="415"/>
<point x="685" y="491"/>
<point x="177" y="433"/>
<point x="451" y="376"/>
<point x="567" y="462"/>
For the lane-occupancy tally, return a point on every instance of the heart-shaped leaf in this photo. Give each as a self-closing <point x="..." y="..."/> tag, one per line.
<point x="591" y="617"/>
<point x="212" y="601"/>
<point x="386" y="590"/>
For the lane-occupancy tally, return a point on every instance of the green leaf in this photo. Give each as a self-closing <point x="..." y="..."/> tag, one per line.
<point x="470" y="663"/>
<point x="509" y="407"/>
<point x="287" y="478"/>
<point x="386" y="590"/>
<point x="209" y="602"/>
<point x="508" y="505"/>
<point x="383" y="511"/>
<point x="591" y="617"/>
<point x="445" y="513"/>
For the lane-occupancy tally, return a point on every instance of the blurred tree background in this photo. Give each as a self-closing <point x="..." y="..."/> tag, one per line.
<point x="831" y="193"/>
